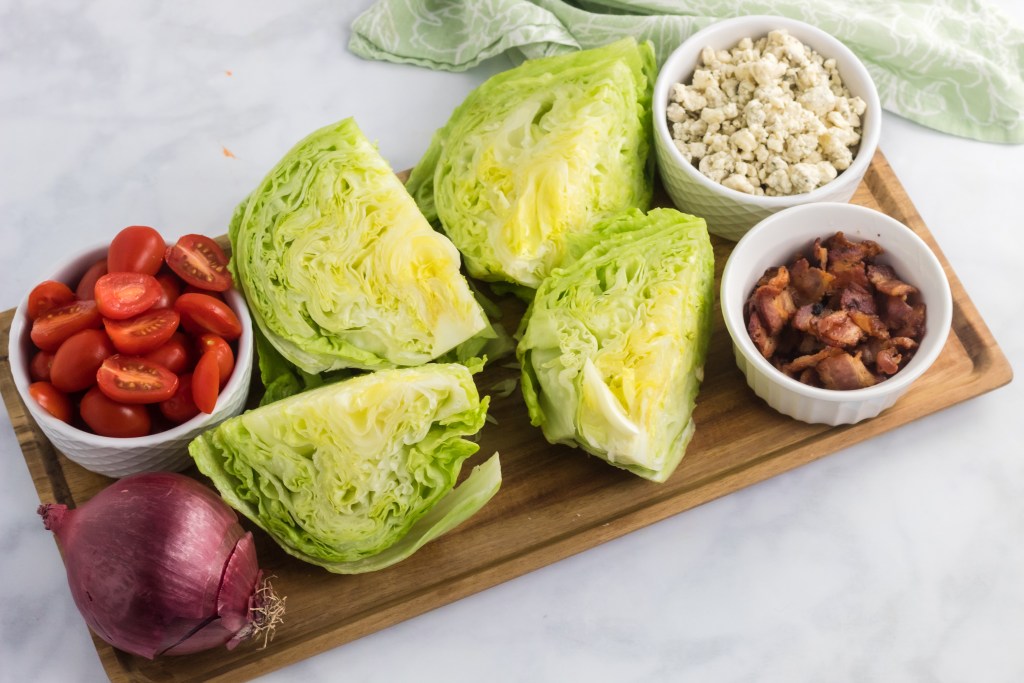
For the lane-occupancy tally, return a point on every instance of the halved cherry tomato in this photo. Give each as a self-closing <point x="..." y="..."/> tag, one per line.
<point x="175" y="355"/>
<point x="206" y="383"/>
<point x="39" y="366"/>
<point x="211" y="343"/>
<point x="51" y="399"/>
<point x="51" y="329"/>
<point x="110" y="418"/>
<point x="171" y="286"/>
<point x="124" y="295"/>
<point x="212" y="315"/>
<point x="136" y="249"/>
<point x="133" y="379"/>
<point x="200" y="261"/>
<point x="181" y="406"/>
<point x="47" y="296"/>
<point x="86" y="285"/>
<point x="78" y="358"/>
<point x="144" y="332"/>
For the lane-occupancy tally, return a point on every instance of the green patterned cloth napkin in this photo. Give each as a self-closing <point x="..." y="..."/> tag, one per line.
<point x="953" y="65"/>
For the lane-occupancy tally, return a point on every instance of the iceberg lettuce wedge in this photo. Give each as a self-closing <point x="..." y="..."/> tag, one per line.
<point x="340" y="268"/>
<point x="356" y="475"/>
<point x="612" y="348"/>
<point x="538" y="153"/>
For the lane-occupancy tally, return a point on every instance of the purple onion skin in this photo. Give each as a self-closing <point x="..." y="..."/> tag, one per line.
<point x="158" y="564"/>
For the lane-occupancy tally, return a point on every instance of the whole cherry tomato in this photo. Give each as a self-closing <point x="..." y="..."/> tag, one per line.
<point x="180" y="407"/>
<point x="210" y="314"/>
<point x="206" y="383"/>
<point x="86" y="285"/>
<point x="78" y="358"/>
<point x="136" y="249"/>
<point x="39" y="366"/>
<point x="52" y="400"/>
<point x="110" y="418"/>
<point x="175" y="355"/>
<point x="171" y="286"/>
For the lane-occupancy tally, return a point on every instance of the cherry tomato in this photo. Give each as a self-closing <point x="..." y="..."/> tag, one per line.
<point x="212" y="315"/>
<point x="77" y="360"/>
<point x="180" y="407"/>
<point x="51" y="399"/>
<point x="190" y="289"/>
<point x="171" y="286"/>
<point x="110" y="418"/>
<point x="51" y="329"/>
<point x="211" y="343"/>
<point x="124" y="295"/>
<point x="84" y="291"/>
<point x="206" y="383"/>
<point x="39" y="366"/>
<point x="143" y="333"/>
<point x="132" y="379"/>
<point x="47" y="296"/>
<point x="136" y="249"/>
<point x="174" y="355"/>
<point x="200" y="261"/>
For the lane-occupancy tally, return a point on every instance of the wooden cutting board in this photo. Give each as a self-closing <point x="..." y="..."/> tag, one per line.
<point x="555" y="501"/>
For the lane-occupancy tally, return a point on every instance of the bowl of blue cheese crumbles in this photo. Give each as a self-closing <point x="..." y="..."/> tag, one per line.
<point x="756" y="114"/>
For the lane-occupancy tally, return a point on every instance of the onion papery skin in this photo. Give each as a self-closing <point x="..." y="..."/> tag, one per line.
<point x="158" y="564"/>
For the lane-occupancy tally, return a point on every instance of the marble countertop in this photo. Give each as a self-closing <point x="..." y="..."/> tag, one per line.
<point x="898" y="559"/>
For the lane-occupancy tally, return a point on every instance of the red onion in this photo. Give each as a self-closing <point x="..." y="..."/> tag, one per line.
<point x="158" y="564"/>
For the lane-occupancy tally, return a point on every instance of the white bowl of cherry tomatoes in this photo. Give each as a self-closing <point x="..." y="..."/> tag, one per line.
<point x="132" y="349"/>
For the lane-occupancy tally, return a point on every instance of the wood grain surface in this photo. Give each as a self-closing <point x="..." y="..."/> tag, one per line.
<point x="555" y="501"/>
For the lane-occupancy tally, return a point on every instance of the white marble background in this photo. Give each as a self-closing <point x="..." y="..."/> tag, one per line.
<point x="900" y="559"/>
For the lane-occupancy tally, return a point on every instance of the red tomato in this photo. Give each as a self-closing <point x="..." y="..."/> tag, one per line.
<point x="124" y="295"/>
<point x="47" y="296"/>
<point x="144" y="332"/>
<point x="171" y="286"/>
<point x="51" y="400"/>
<point x="191" y="289"/>
<point x="132" y="379"/>
<point x="51" y="329"/>
<point x="180" y="407"/>
<point x="84" y="291"/>
<point x="212" y="315"/>
<point x="110" y="418"/>
<point x="211" y="343"/>
<point x="174" y="355"/>
<point x="206" y="383"/>
<point x="200" y="261"/>
<point x="77" y="360"/>
<point x="39" y="366"/>
<point x="136" y="249"/>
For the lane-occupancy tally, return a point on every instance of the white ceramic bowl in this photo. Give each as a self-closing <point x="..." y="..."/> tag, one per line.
<point x="774" y="242"/>
<point x="167" y="450"/>
<point x="730" y="213"/>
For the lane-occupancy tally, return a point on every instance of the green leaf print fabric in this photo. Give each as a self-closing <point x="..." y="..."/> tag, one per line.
<point x="953" y="65"/>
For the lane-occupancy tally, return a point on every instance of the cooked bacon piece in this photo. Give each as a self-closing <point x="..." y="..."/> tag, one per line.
<point x="857" y="298"/>
<point x="903" y="319"/>
<point x="819" y="254"/>
<point x="842" y="250"/>
<point x="905" y="343"/>
<point x="809" y="377"/>
<point x="887" y="361"/>
<point x="774" y="307"/>
<point x="774" y="277"/>
<point x="885" y="281"/>
<point x="871" y="324"/>
<point x="844" y="371"/>
<point x="804" y="317"/>
<point x="836" y="329"/>
<point x="764" y="342"/>
<point x="847" y="275"/>
<point x="809" y="361"/>
<point x="810" y="285"/>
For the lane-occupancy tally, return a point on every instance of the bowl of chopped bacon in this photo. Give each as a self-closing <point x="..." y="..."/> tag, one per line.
<point x="834" y="311"/>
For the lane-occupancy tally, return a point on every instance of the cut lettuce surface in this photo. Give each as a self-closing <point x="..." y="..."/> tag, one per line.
<point x="539" y="153"/>
<point x="356" y="475"/>
<point x="612" y="348"/>
<point x="340" y="268"/>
